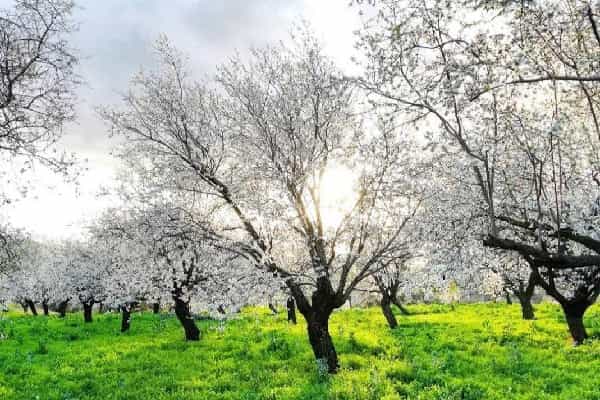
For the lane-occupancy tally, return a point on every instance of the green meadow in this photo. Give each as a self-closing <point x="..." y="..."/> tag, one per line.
<point x="480" y="351"/>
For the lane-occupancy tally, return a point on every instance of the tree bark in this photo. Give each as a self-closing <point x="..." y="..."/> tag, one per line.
<point x="402" y="309"/>
<point x="387" y="312"/>
<point x="25" y="307"/>
<point x="182" y="310"/>
<point x="526" y="307"/>
<point x="273" y="309"/>
<point x="574" y="311"/>
<point x="62" y="308"/>
<point x="45" y="307"/>
<point x="87" y="312"/>
<point x="156" y="308"/>
<point x="32" y="307"/>
<point x="508" y="299"/>
<point x="320" y="341"/>
<point x="125" y="317"/>
<point x="291" y="310"/>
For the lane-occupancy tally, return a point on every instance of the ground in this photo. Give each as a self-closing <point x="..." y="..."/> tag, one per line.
<point x="481" y="351"/>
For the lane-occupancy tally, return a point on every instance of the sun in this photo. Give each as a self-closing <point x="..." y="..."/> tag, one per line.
<point x="338" y="194"/>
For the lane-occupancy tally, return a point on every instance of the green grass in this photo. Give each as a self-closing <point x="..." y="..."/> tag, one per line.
<point x="481" y="351"/>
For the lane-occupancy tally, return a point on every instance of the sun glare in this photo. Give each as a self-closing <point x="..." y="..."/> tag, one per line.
<point x="338" y="194"/>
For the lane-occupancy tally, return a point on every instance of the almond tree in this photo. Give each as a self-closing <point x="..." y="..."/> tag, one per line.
<point x="37" y="79"/>
<point x="256" y="149"/>
<point x="510" y="95"/>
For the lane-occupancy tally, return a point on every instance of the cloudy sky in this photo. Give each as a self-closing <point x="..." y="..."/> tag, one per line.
<point x="115" y="39"/>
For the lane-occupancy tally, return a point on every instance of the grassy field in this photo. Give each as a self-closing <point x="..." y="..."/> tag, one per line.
<point x="479" y="351"/>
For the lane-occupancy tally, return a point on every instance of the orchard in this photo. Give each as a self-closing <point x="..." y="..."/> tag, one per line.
<point x="399" y="207"/>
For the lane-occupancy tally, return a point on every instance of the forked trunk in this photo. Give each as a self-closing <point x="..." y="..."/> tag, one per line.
<point x="32" y="307"/>
<point x="387" y="312"/>
<point x="320" y="341"/>
<point x="62" y="308"/>
<point x="156" y="308"/>
<point x="508" y="299"/>
<point x="574" y="312"/>
<point x="87" y="312"/>
<point x="45" y="307"/>
<point x="526" y="307"/>
<point x="402" y="309"/>
<point x="291" y="310"/>
<point x="125" y="317"/>
<point x="182" y="310"/>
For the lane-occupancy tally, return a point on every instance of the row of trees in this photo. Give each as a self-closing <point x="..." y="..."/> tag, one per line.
<point x="472" y="136"/>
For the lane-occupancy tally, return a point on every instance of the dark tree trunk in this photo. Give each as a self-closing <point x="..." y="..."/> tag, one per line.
<point x="387" y="312"/>
<point x="320" y="341"/>
<point x="125" y="317"/>
<point x="32" y="307"/>
<point x="526" y="307"/>
<point x="291" y="310"/>
<point x="273" y="309"/>
<point x="402" y="309"/>
<point x="62" y="308"/>
<point x="45" y="307"/>
<point x="101" y="308"/>
<point x="25" y="307"/>
<point x="87" y="312"/>
<point x="508" y="299"/>
<point x="221" y="310"/>
<point x="182" y="310"/>
<point x="574" y="311"/>
<point x="156" y="308"/>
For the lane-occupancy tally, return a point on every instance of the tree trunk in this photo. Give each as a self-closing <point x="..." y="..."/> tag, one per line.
<point x="62" y="308"/>
<point x="101" y="308"/>
<point x="125" y="317"/>
<point x="45" y="307"/>
<point x="273" y="309"/>
<point x="182" y="310"/>
<point x="508" y="299"/>
<point x="526" y="307"/>
<point x="32" y="307"/>
<point x="291" y="310"/>
<point x="574" y="311"/>
<point x="387" y="312"/>
<point x="403" y="310"/>
<point x="156" y="308"/>
<point x="320" y="341"/>
<point x="87" y="312"/>
<point x="25" y="307"/>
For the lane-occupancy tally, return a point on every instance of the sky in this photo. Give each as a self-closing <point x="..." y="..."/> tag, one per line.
<point x="114" y="40"/>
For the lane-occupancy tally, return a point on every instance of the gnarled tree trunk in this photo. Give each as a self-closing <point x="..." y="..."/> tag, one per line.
<point x="273" y="308"/>
<point x="526" y="307"/>
<point x="574" y="311"/>
<point x="62" y="308"/>
<point x="291" y="310"/>
<point x="321" y="342"/>
<point x="45" y="308"/>
<point x="387" y="312"/>
<point x="182" y="310"/>
<point x="125" y="317"/>
<point x="402" y="309"/>
<point x="87" y="311"/>
<point x="32" y="307"/>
